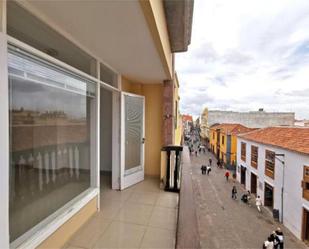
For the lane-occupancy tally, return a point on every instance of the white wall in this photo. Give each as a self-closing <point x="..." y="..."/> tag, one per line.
<point x="294" y="162"/>
<point x="106" y="130"/>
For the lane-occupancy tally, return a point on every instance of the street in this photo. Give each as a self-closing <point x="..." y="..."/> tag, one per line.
<point x="227" y="223"/>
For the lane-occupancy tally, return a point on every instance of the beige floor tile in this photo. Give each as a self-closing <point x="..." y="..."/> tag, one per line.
<point x="169" y="200"/>
<point x="87" y="236"/>
<point x="148" y="185"/>
<point x="121" y="235"/>
<point x="163" y="218"/>
<point x="110" y="208"/>
<point x="135" y="213"/>
<point x="159" y="238"/>
<point x="73" y="247"/>
<point x="116" y="195"/>
<point x="148" y="198"/>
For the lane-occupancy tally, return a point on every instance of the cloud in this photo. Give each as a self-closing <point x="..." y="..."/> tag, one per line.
<point x="245" y="55"/>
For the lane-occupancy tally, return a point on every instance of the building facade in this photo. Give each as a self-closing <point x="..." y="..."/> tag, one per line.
<point x="253" y="119"/>
<point x="273" y="163"/>
<point x="87" y="88"/>
<point x="223" y="142"/>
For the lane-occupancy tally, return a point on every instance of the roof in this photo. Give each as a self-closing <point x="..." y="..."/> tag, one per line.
<point x="290" y="138"/>
<point x="186" y="117"/>
<point x="179" y="16"/>
<point x="233" y="129"/>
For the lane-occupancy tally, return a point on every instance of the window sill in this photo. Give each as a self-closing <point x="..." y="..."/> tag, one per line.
<point x="48" y="226"/>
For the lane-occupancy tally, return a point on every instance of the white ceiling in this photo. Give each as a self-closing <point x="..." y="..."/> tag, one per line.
<point x="114" y="31"/>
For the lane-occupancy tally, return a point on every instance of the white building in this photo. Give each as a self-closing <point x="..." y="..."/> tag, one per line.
<point x="274" y="164"/>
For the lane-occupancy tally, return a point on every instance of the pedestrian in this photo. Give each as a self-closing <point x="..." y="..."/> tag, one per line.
<point x="275" y="239"/>
<point x="208" y="169"/>
<point x="268" y="244"/>
<point x="280" y="238"/>
<point x="227" y="175"/>
<point x="218" y="164"/>
<point x="204" y="169"/>
<point x="258" y="203"/>
<point x="210" y="161"/>
<point x="234" y="193"/>
<point x="195" y="152"/>
<point x="249" y="197"/>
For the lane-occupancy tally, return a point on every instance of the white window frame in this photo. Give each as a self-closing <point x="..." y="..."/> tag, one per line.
<point x="45" y="228"/>
<point x="4" y="134"/>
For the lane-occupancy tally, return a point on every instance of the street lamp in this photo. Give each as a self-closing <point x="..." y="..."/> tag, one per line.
<point x="282" y="187"/>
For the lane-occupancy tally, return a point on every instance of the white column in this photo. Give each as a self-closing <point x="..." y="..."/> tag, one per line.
<point x="76" y="159"/>
<point x="4" y="132"/>
<point x="71" y="161"/>
<point x="53" y="162"/>
<point x="46" y="166"/>
<point x="40" y="167"/>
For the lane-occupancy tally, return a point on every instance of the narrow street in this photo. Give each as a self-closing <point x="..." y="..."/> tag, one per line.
<point x="226" y="223"/>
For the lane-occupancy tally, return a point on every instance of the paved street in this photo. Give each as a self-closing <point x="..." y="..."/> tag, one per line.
<point x="225" y="223"/>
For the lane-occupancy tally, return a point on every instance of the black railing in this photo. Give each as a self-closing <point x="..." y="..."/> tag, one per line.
<point x="173" y="171"/>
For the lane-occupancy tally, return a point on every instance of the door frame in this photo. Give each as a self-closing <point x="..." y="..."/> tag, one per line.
<point x="255" y="176"/>
<point x="305" y="214"/>
<point x="273" y="191"/>
<point x="243" y="172"/>
<point x="137" y="176"/>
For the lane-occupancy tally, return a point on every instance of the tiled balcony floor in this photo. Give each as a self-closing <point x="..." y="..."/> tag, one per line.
<point x="143" y="216"/>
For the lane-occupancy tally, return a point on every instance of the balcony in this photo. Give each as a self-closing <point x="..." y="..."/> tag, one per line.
<point x="133" y="218"/>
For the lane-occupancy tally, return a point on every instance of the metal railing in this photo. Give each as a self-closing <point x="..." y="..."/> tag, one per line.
<point x="173" y="167"/>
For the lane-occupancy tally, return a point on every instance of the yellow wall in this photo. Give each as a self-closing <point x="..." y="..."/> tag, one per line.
<point x="63" y="234"/>
<point x="178" y="124"/>
<point x="223" y="147"/>
<point x="154" y="13"/>
<point x="153" y="122"/>
<point x="213" y="139"/>
<point x="233" y="148"/>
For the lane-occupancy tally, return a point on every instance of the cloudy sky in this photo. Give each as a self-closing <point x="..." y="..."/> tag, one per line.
<point x="245" y="55"/>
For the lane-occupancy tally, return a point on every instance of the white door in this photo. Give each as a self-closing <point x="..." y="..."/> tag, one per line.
<point x="132" y="139"/>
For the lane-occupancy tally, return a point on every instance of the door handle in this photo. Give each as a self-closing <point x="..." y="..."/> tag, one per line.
<point x="143" y="140"/>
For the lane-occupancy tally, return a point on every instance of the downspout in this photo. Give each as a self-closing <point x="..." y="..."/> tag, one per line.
<point x="282" y="187"/>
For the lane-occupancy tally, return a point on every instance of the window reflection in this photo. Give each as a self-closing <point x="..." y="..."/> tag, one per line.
<point x="50" y="115"/>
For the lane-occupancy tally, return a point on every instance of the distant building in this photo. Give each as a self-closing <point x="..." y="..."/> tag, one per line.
<point x="254" y="119"/>
<point x="223" y="142"/>
<point x="187" y="122"/>
<point x="274" y="164"/>
<point x="302" y="123"/>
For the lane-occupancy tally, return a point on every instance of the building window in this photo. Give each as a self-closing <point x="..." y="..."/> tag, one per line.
<point x="222" y="140"/>
<point x="254" y="156"/>
<point x="270" y="163"/>
<point x="305" y="183"/>
<point x="51" y="113"/>
<point x="243" y="151"/>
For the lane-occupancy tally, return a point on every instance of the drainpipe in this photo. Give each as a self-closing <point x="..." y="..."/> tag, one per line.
<point x="282" y="187"/>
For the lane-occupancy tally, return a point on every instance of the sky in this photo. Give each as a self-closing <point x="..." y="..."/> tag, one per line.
<point x="245" y="55"/>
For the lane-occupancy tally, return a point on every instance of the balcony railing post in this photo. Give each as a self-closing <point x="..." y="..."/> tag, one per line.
<point x="168" y="169"/>
<point x="172" y="182"/>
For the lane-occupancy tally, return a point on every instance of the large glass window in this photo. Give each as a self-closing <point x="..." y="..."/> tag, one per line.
<point x="50" y="118"/>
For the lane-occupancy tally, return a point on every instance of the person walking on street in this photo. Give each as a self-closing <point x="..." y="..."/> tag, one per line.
<point x="280" y="238"/>
<point x="268" y="244"/>
<point x="210" y="161"/>
<point x="234" y="193"/>
<point x="258" y="203"/>
<point x="208" y="169"/>
<point x="275" y="239"/>
<point x="227" y="175"/>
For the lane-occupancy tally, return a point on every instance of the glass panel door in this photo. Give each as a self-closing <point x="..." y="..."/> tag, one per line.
<point x="133" y="139"/>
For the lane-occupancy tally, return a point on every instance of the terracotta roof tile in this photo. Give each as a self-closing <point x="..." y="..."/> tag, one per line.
<point x="232" y="128"/>
<point x="291" y="138"/>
